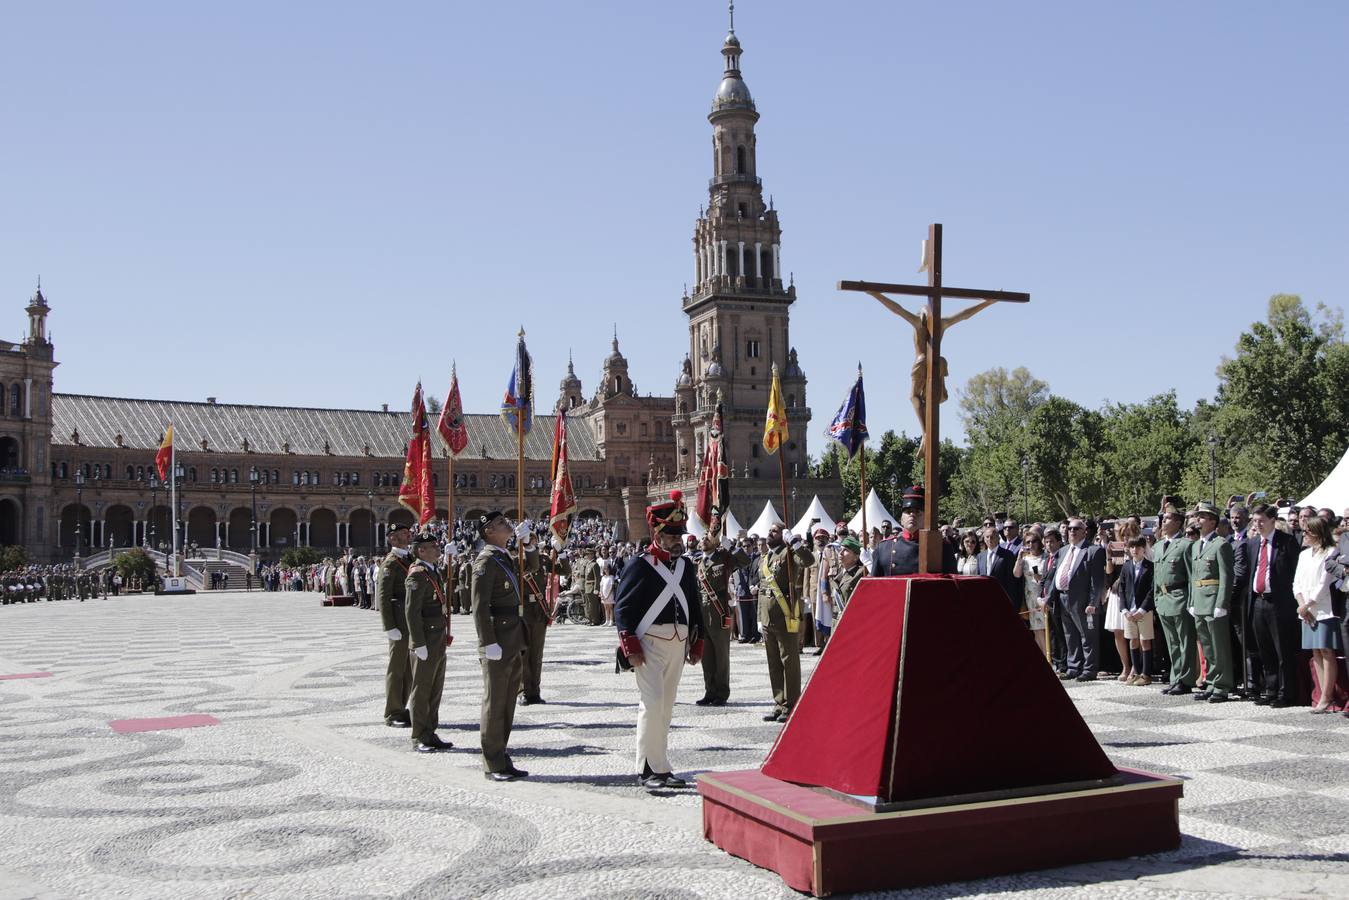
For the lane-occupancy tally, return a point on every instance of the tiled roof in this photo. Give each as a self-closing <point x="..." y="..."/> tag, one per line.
<point x="347" y="432"/>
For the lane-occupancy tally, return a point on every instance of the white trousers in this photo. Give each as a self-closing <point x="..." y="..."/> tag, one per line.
<point x="663" y="647"/>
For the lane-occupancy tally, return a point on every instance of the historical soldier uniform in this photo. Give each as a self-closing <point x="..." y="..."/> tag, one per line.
<point x="898" y="554"/>
<point x="498" y="602"/>
<point x="1171" y="594"/>
<point x="780" y="617"/>
<point x="391" y="593"/>
<point x="1212" y="563"/>
<point x="845" y="579"/>
<point x="538" y="616"/>
<point x="714" y="570"/>
<point x="659" y="624"/>
<point x="428" y="635"/>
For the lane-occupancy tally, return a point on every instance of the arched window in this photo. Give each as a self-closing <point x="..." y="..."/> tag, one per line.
<point x="276" y="476"/>
<point x="16" y="400"/>
<point x="130" y="473"/>
<point x="215" y="476"/>
<point x="754" y="449"/>
<point x="741" y="161"/>
<point x="295" y="478"/>
<point x="234" y="476"/>
<point x="64" y="471"/>
<point x="356" y="478"/>
<point x="140" y="473"/>
<point x="192" y="474"/>
<point x="107" y="471"/>
<point x="86" y="470"/>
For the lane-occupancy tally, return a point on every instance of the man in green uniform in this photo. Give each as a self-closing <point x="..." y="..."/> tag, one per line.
<point x="497" y="605"/>
<point x="780" y="616"/>
<point x="538" y="616"/>
<point x="428" y="635"/>
<point x="1171" y="593"/>
<point x="1212" y="564"/>
<point x="463" y="582"/>
<point x="391" y="592"/>
<point x="719" y="560"/>
<point x="850" y="573"/>
<point x="586" y="579"/>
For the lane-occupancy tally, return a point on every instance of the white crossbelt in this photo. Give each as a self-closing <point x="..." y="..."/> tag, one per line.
<point x="672" y="590"/>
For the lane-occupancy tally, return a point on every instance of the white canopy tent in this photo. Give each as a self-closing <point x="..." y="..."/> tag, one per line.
<point x="876" y="514"/>
<point x="695" y="526"/>
<point x="767" y="519"/>
<point x="1333" y="493"/>
<point x="815" y="511"/>
<point x="733" y="528"/>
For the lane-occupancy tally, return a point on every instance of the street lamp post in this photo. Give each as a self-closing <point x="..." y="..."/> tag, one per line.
<point x="1025" y="488"/>
<point x="180" y="481"/>
<point x="154" y="487"/>
<point x="79" y="514"/>
<point x="253" y="525"/>
<point x="791" y="513"/>
<point x="1213" y="465"/>
<point x="370" y="500"/>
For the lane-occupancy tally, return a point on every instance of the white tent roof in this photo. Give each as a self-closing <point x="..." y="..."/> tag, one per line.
<point x="695" y="526"/>
<point x="876" y="514"/>
<point x="767" y="519"/>
<point x="733" y="528"/>
<point x="1333" y="493"/>
<point x="815" y="511"/>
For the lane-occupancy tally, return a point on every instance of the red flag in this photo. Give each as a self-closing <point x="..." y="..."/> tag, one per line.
<point x="163" y="457"/>
<point x="451" y="423"/>
<point x="713" y="480"/>
<point x="564" y="498"/>
<point x="416" y="493"/>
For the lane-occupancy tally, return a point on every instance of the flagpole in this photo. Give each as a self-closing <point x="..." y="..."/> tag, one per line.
<point x="791" y="578"/>
<point x="449" y="526"/>
<point x="173" y="501"/>
<point x="865" y="534"/>
<point x="520" y="493"/>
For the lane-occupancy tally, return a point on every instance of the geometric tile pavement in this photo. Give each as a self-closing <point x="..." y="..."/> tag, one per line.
<point x="301" y="790"/>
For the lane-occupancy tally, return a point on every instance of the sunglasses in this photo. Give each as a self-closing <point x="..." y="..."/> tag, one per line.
<point x="1077" y="528"/>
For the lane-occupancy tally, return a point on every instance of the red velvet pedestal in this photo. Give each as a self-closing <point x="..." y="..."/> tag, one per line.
<point x="823" y="845"/>
<point x="339" y="600"/>
<point x="968" y="770"/>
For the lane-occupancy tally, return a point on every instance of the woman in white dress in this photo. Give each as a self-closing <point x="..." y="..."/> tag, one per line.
<point x="1030" y="568"/>
<point x="1320" y="625"/>
<point x="1115" y="555"/>
<point x="968" y="564"/>
<point x="607" y="580"/>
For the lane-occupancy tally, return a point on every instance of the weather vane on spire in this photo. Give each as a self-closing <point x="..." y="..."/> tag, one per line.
<point x="732" y="16"/>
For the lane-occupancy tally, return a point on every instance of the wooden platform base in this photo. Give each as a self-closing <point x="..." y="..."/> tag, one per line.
<point x="339" y="600"/>
<point x="823" y="845"/>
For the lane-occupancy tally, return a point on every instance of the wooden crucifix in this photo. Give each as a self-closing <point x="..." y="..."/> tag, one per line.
<point x="929" y="370"/>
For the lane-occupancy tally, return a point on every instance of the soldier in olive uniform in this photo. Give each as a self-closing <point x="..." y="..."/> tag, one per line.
<point x="719" y="560"/>
<point x="586" y="578"/>
<point x="1171" y="595"/>
<point x="850" y="573"/>
<point x="1212" y="563"/>
<point x="463" y="583"/>
<point x="780" y="617"/>
<point x="538" y="616"/>
<point x="497" y="604"/>
<point x="391" y="593"/>
<point x="429" y="636"/>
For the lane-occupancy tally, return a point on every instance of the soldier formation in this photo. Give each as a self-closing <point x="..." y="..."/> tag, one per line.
<point x="31" y="584"/>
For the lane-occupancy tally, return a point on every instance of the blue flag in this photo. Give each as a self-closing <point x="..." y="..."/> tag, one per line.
<point x="517" y="408"/>
<point x="849" y="427"/>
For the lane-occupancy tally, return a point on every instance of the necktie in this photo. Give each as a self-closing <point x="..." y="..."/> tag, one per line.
<point x="1262" y="568"/>
<point x="1062" y="579"/>
<point x="1166" y="543"/>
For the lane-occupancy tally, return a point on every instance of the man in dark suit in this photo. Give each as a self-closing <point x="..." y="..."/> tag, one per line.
<point x="1078" y="586"/>
<point x="997" y="562"/>
<point x="1272" y="557"/>
<point x="1058" y="642"/>
<point x="1243" y="642"/>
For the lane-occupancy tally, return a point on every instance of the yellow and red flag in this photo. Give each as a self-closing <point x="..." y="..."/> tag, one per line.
<point x="564" y="497"/>
<point x="164" y="456"/>
<point x="417" y="494"/>
<point x="775" y="426"/>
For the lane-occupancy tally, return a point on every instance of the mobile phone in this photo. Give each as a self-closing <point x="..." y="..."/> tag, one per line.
<point x="1259" y="495"/>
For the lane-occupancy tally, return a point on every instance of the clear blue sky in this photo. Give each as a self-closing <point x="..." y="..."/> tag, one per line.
<point x="316" y="203"/>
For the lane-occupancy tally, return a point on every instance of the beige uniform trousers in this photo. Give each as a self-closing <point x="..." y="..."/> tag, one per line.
<point x="663" y="649"/>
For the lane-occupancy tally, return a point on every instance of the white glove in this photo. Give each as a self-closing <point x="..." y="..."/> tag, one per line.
<point x="1219" y="612"/>
<point x="492" y="652"/>
<point x="1190" y="610"/>
<point x="524" y="532"/>
<point x="451" y="550"/>
<point x="727" y="544"/>
<point x="420" y="653"/>
<point x="394" y="634"/>
<point x="792" y="539"/>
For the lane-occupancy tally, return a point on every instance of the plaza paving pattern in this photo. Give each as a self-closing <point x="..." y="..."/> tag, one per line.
<point x="301" y="791"/>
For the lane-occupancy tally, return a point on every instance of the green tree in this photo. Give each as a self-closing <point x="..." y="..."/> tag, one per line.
<point x="1282" y="409"/>
<point x="135" y="563"/>
<point x="12" y="557"/>
<point x="996" y="408"/>
<point x="1147" y="449"/>
<point x="298" y="557"/>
